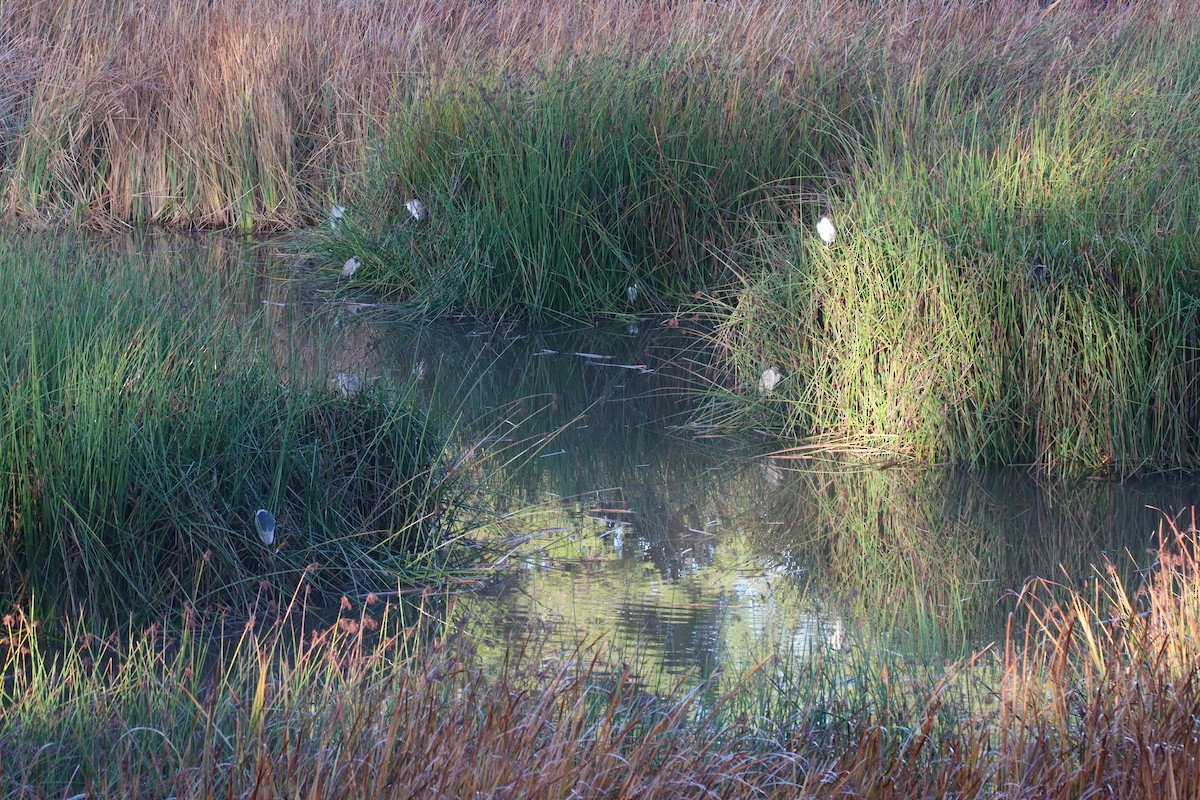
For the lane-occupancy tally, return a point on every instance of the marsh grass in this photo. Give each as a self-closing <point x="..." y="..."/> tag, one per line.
<point x="1093" y="689"/>
<point x="189" y="114"/>
<point x="240" y="114"/>
<point x="588" y="184"/>
<point x="143" y="423"/>
<point x="1014" y="188"/>
<point x="1015" y="276"/>
<point x="1014" y="279"/>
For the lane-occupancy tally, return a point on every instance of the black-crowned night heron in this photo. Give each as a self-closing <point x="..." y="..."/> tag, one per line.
<point x="348" y="385"/>
<point x="769" y="379"/>
<point x="264" y="523"/>
<point x="417" y="209"/>
<point x="337" y="218"/>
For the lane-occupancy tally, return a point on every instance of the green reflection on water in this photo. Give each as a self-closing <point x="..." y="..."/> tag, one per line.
<point x="686" y="555"/>
<point x="689" y="555"/>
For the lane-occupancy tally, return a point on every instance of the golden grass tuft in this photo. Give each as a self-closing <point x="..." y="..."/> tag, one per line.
<point x="1095" y="694"/>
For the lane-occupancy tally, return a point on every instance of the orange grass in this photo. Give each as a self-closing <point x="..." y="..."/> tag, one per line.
<point x="1096" y="695"/>
<point x="249" y="113"/>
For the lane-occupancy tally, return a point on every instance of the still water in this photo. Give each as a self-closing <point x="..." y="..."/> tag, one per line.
<point x="679" y="553"/>
<point x="682" y="555"/>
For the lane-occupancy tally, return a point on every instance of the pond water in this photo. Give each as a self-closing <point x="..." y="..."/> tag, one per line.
<point x="679" y="553"/>
<point x="682" y="555"/>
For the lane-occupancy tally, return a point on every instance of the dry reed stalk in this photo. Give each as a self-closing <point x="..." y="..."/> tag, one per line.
<point x="346" y="713"/>
<point x="243" y="113"/>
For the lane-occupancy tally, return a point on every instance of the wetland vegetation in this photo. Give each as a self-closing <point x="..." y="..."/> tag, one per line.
<point x="1013" y="279"/>
<point x="145" y="422"/>
<point x="1094" y="693"/>
<point x="1013" y="188"/>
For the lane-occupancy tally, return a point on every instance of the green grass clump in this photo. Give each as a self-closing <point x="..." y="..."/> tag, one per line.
<point x="142" y="423"/>
<point x="593" y="184"/>
<point x="1016" y="277"/>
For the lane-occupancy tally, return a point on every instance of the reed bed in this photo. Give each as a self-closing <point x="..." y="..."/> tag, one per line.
<point x="1013" y="186"/>
<point x="593" y="183"/>
<point x="229" y="114"/>
<point x="241" y="114"/>
<point x="1093" y="691"/>
<point x="1014" y="278"/>
<point x="144" y="420"/>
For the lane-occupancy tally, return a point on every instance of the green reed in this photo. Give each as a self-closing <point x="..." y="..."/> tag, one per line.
<point x="588" y="185"/>
<point x="142" y="423"/>
<point x="1015" y="276"/>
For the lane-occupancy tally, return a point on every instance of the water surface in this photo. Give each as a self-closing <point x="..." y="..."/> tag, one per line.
<point x="686" y="554"/>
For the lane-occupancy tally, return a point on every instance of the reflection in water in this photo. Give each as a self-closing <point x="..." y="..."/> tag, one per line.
<point x="717" y="568"/>
<point x="686" y="555"/>
<point x="691" y="556"/>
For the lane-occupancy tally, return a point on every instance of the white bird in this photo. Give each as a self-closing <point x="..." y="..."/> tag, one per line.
<point x="826" y="230"/>
<point x="264" y="522"/>
<point x="348" y="385"/>
<point x="351" y="266"/>
<point x="417" y="209"/>
<point x="769" y="379"/>
<point x="337" y="218"/>
<point x="838" y="639"/>
<point x="631" y="293"/>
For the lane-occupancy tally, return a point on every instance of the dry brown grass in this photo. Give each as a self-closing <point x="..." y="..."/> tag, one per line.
<point x="255" y="114"/>
<point x="1095" y="696"/>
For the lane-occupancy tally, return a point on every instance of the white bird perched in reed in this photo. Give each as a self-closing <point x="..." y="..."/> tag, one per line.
<point x="826" y="230"/>
<point x="351" y="266"/>
<point x="417" y="209"/>
<point x="769" y="379"/>
<point x="264" y="523"/>
<point x="631" y="293"/>
<point x="337" y="218"/>
<point x="348" y="385"/>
